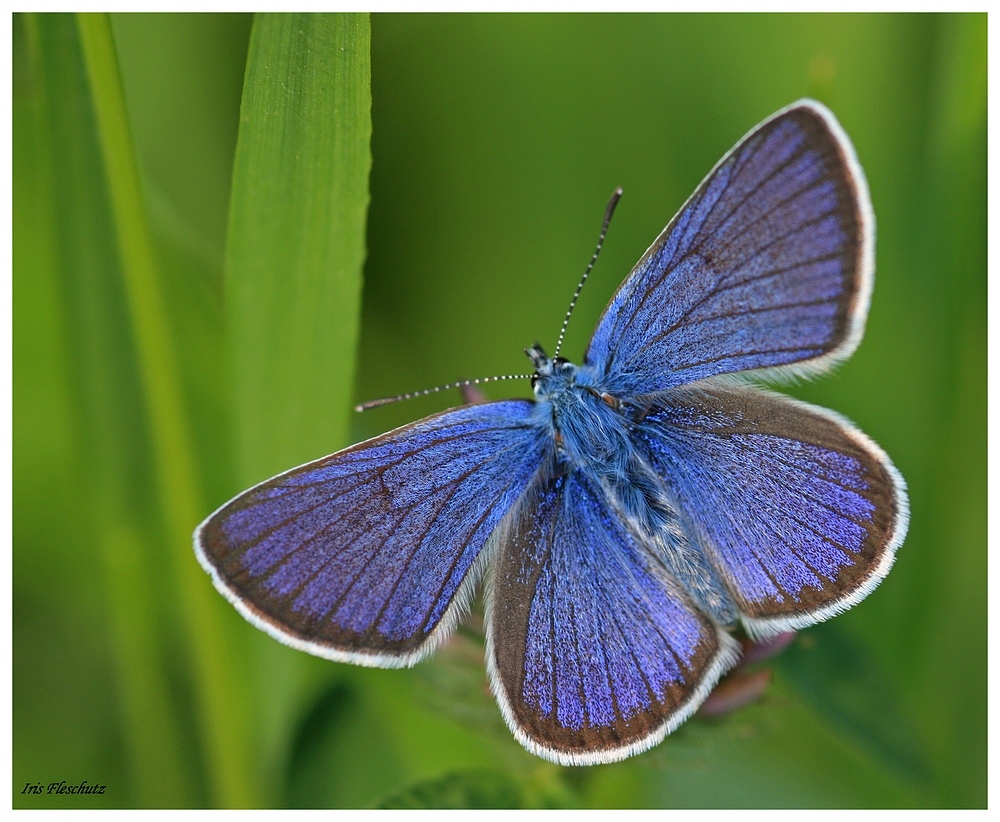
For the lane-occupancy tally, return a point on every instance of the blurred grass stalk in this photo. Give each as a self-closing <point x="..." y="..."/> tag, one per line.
<point x="224" y="733"/>
<point x="293" y="270"/>
<point x="954" y="238"/>
<point x="66" y="168"/>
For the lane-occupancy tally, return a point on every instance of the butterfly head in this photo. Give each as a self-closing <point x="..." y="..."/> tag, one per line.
<point x="551" y="374"/>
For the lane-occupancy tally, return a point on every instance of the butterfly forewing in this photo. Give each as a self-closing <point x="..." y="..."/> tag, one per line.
<point x="594" y="651"/>
<point x="768" y="266"/>
<point x="362" y="555"/>
<point x="800" y="511"/>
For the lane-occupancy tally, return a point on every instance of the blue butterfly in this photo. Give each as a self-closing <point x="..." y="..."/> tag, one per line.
<point x="648" y="500"/>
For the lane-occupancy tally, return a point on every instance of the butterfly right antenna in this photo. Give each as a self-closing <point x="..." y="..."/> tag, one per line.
<point x="604" y="230"/>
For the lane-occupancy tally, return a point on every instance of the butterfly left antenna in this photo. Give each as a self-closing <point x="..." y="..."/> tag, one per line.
<point x="366" y="406"/>
<point x="604" y="230"/>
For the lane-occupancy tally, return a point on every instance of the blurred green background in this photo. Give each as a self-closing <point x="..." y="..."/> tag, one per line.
<point x="157" y="373"/>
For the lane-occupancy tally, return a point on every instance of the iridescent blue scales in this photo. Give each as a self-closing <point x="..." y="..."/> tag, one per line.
<point x="359" y="555"/>
<point x="648" y="500"/>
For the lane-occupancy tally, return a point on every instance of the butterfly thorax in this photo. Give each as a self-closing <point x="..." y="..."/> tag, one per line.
<point x="592" y="431"/>
<point x="586" y="423"/>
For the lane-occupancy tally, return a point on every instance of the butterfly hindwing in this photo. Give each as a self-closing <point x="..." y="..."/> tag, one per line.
<point x="769" y="265"/>
<point x="363" y="556"/>
<point x="799" y="510"/>
<point x="594" y="652"/>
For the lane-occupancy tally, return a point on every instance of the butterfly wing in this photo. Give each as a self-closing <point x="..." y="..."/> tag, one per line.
<point x="365" y="556"/>
<point x="594" y="652"/>
<point x="769" y="265"/>
<point x="799" y="510"/>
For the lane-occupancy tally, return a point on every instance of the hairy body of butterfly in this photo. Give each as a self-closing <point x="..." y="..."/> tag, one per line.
<point x="645" y="503"/>
<point x="596" y="433"/>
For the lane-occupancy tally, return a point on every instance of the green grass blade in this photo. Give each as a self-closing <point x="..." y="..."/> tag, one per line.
<point x="296" y="242"/>
<point x="75" y="347"/>
<point x="294" y="256"/>
<point x="222" y="726"/>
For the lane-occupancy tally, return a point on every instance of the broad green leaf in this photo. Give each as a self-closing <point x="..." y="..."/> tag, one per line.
<point x="296" y="240"/>
<point x="294" y="256"/>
